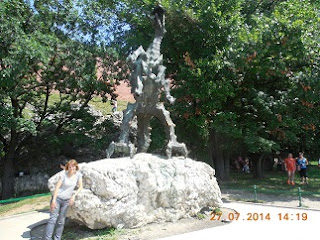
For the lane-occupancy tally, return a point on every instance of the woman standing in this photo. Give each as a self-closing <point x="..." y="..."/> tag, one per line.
<point x="302" y="163"/>
<point x="62" y="198"/>
<point x="290" y="166"/>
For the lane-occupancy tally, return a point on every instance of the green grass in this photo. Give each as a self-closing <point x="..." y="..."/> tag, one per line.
<point x="275" y="182"/>
<point x="106" y="107"/>
<point x="26" y="205"/>
<point x="96" y="102"/>
<point x="108" y="234"/>
<point x="83" y="233"/>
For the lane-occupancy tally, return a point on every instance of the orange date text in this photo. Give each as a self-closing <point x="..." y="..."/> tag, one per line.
<point x="255" y="216"/>
<point x="235" y="216"/>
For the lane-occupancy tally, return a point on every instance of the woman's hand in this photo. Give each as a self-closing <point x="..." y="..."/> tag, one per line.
<point x="71" y="201"/>
<point x="55" y="194"/>
<point x="52" y="205"/>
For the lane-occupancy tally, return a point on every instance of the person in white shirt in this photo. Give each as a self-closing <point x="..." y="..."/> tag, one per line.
<point x="62" y="198"/>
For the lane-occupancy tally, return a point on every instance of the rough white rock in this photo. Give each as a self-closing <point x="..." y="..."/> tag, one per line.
<point x="31" y="183"/>
<point x="145" y="189"/>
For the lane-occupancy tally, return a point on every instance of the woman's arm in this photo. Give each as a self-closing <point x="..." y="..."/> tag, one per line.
<point x="80" y="184"/>
<point x="55" y="195"/>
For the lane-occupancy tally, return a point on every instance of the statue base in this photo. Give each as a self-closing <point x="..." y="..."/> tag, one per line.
<point x="147" y="188"/>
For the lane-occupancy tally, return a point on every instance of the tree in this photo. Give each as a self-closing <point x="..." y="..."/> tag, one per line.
<point x="49" y="56"/>
<point x="277" y="55"/>
<point x="237" y="70"/>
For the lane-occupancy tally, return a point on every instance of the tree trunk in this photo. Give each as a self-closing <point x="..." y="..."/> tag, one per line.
<point x="227" y="166"/>
<point x="8" y="177"/>
<point x="258" y="167"/>
<point x="217" y="156"/>
<point x="8" y="166"/>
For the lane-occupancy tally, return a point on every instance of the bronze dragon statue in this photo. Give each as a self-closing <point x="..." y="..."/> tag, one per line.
<point x="147" y="83"/>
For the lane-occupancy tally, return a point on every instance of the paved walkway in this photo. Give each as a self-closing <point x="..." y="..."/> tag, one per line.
<point x="284" y="223"/>
<point x="18" y="227"/>
<point x="254" y="221"/>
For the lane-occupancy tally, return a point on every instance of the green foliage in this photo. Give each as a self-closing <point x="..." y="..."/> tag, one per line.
<point x="40" y="57"/>
<point x="201" y="216"/>
<point x="50" y="56"/>
<point x="74" y="232"/>
<point x="245" y="73"/>
<point x="158" y="137"/>
<point x="275" y="62"/>
<point x="217" y="211"/>
<point x="245" y="70"/>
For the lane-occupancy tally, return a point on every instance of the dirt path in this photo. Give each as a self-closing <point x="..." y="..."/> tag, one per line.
<point x="160" y="230"/>
<point x="147" y="232"/>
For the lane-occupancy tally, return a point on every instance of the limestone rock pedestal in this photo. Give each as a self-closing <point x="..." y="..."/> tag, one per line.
<point x="145" y="189"/>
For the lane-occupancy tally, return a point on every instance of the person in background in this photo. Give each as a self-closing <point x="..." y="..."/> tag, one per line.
<point x="114" y="102"/>
<point x="236" y="165"/>
<point x="280" y="163"/>
<point x="62" y="198"/>
<point x="240" y="162"/>
<point x="63" y="164"/>
<point x="302" y="163"/>
<point x="246" y="167"/>
<point x="290" y="167"/>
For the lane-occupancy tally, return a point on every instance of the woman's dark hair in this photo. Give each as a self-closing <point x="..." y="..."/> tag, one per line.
<point x="63" y="162"/>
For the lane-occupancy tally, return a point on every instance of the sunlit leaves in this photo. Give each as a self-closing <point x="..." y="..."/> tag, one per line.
<point x="49" y="54"/>
<point x="238" y="66"/>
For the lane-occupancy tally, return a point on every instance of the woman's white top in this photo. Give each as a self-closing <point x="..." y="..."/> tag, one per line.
<point x="68" y="184"/>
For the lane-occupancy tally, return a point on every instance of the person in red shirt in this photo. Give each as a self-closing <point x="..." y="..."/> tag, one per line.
<point x="290" y="166"/>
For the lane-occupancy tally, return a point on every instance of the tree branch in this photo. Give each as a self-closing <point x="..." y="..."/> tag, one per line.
<point x="72" y="116"/>
<point x="43" y="114"/>
<point x="4" y="142"/>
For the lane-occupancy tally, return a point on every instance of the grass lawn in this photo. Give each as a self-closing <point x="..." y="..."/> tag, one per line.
<point x="106" y="108"/>
<point x="275" y="182"/>
<point x="26" y="205"/>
